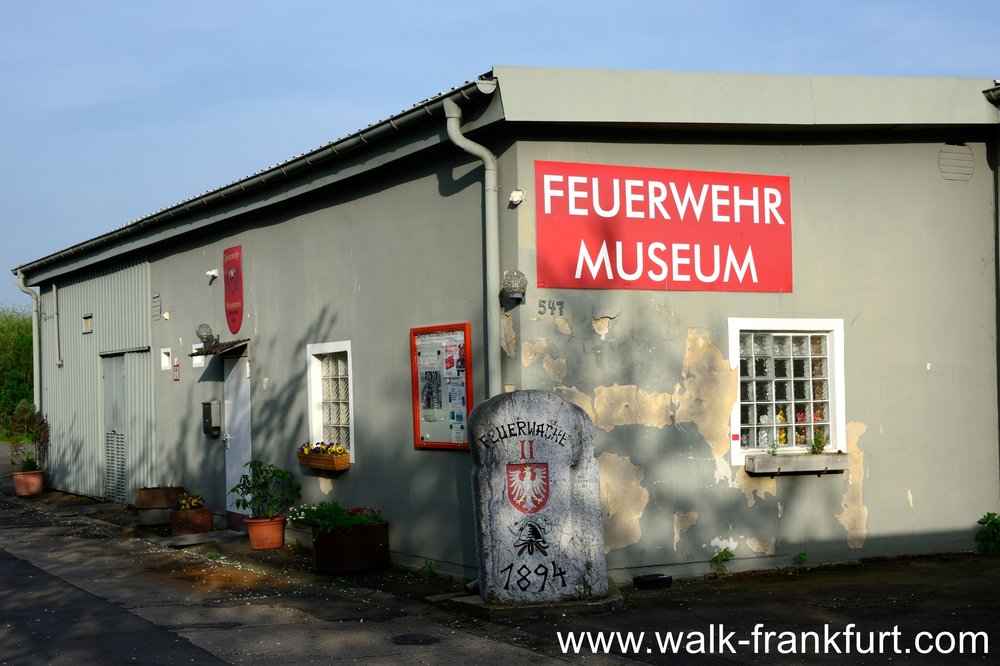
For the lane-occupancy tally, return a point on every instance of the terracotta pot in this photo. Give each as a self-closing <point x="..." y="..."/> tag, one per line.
<point x="361" y="548"/>
<point x="190" y="521"/>
<point x="29" y="483"/>
<point x="266" y="533"/>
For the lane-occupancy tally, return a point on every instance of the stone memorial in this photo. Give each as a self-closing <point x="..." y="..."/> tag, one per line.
<point x="540" y="536"/>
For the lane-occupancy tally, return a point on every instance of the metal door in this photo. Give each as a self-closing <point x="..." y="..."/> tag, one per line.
<point x="236" y="433"/>
<point x="115" y="435"/>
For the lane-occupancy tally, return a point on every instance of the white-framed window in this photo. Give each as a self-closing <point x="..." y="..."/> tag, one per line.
<point x="331" y="391"/>
<point x="790" y="393"/>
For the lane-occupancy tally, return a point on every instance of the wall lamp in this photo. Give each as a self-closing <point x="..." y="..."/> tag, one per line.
<point x="205" y="334"/>
<point x="512" y="290"/>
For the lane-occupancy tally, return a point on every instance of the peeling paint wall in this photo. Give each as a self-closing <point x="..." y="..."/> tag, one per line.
<point x="651" y="370"/>
<point x="623" y="500"/>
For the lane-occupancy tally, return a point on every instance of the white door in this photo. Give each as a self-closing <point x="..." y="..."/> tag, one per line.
<point x="236" y="434"/>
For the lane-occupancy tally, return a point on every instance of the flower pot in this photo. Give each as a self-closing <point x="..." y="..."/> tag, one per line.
<point x="266" y="533"/>
<point x="29" y="483"/>
<point x="335" y="462"/>
<point x="190" y="521"/>
<point x="361" y="548"/>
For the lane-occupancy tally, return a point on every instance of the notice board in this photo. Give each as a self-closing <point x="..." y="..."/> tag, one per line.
<point x="442" y="385"/>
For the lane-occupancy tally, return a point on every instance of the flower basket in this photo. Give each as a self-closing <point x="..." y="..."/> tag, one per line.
<point x="336" y="462"/>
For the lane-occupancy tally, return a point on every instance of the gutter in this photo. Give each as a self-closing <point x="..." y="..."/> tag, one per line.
<point x="36" y="345"/>
<point x="491" y="240"/>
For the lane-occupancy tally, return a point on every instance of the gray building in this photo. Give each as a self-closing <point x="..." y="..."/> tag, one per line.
<point x="775" y="296"/>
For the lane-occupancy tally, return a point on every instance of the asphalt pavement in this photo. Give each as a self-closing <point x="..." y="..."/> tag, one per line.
<point x="82" y="582"/>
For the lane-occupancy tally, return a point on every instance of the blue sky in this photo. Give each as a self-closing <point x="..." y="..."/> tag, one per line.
<point x="111" y="110"/>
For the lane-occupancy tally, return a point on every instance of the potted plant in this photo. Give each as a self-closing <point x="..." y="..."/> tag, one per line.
<point x="344" y="540"/>
<point x="190" y="515"/>
<point x="28" y="454"/>
<point x="265" y="491"/>
<point x="322" y="455"/>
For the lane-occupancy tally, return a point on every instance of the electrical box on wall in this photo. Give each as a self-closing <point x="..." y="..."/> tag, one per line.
<point x="211" y="416"/>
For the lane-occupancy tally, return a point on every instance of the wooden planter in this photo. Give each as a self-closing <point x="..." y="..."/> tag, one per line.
<point x="266" y="533"/>
<point x="362" y="548"/>
<point x="190" y="521"/>
<point x="29" y="483"/>
<point x="337" y="463"/>
<point x="154" y="504"/>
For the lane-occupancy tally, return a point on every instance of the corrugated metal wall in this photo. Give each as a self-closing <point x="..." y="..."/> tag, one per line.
<point x="117" y="301"/>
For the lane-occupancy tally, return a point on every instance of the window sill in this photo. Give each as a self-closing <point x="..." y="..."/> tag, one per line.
<point x="758" y="464"/>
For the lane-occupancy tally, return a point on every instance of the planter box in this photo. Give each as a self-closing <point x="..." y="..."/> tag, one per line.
<point x="796" y="463"/>
<point x="154" y="504"/>
<point x="337" y="463"/>
<point x="362" y="548"/>
<point x="29" y="483"/>
<point x="161" y="497"/>
<point x="190" y="521"/>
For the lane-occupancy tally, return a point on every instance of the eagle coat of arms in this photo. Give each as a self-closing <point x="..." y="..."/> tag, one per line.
<point x="528" y="486"/>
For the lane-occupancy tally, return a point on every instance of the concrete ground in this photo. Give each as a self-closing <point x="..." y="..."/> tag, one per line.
<point x="221" y="602"/>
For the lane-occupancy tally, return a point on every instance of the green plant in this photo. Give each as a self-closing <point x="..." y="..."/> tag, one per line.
<point x="266" y="489"/>
<point x="27" y="453"/>
<point x="819" y="442"/>
<point x="15" y="368"/>
<point x="331" y="516"/>
<point x="718" y="562"/>
<point x="429" y="568"/>
<point x="989" y="535"/>
<point x="801" y="558"/>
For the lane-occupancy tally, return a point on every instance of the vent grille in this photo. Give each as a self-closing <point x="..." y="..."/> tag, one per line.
<point x="956" y="162"/>
<point x="115" y="472"/>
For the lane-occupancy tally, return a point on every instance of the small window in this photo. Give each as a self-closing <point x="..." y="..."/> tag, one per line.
<point x="791" y="386"/>
<point x="331" y="413"/>
<point x="88" y="323"/>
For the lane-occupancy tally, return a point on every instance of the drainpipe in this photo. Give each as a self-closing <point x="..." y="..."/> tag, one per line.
<point x="491" y="214"/>
<point x="36" y="379"/>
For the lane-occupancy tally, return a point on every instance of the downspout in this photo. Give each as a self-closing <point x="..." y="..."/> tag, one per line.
<point x="491" y="214"/>
<point x="36" y="378"/>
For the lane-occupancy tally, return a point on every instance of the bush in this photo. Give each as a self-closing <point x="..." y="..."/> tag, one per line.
<point x="16" y="367"/>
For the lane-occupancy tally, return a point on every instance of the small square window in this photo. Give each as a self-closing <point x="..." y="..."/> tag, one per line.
<point x="88" y="323"/>
<point x="791" y="386"/>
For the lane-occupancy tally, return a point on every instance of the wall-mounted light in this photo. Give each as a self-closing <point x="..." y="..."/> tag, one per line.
<point x="204" y="333"/>
<point x="212" y="275"/>
<point x="512" y="289"/>
<point x="516" y="197"/>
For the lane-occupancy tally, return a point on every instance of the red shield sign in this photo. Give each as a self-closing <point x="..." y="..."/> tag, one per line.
<point x="528" y="486"/>
<point x="232" y="268"/>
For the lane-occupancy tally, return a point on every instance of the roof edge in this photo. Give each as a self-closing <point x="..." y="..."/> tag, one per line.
<point x="484" y="85"/>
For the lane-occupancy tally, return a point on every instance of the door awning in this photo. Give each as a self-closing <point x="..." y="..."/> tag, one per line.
<point x="220" y="347"/>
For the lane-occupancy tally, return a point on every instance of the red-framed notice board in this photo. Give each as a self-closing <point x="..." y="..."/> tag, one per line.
<point x="441" y="363"/>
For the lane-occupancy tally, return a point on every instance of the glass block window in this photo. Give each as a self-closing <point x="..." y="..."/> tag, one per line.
<point x="789" y="381"/>
<point x="336" y="398"/>
<point x="331" y="390"/>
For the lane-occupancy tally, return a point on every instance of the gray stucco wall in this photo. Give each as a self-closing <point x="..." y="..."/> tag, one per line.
<point x="343" y="265"/>
<point x="880" y="240"/>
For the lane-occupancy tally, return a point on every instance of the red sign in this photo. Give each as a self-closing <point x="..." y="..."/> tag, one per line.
<point x="528" y="486"/>
<point x="619" y="227"/>
<point x="232" y="268"/>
